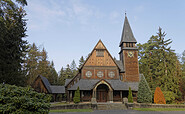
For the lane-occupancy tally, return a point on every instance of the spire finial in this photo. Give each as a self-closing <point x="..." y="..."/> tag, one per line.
<point x="125" y="13"/>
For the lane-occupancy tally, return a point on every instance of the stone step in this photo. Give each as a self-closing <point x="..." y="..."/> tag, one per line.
<point x="111" y="106"/>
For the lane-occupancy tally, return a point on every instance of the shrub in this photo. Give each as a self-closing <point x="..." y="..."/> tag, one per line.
<point x="159" y="97"/>
<point x="17" y="100"/>
<point x="76" y="98"/>
<point x="144" y="93"/>
<point x="130" y="98"/>
<point x="169" y="96"/>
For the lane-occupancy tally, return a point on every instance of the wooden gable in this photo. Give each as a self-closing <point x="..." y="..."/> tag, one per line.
<point x="103" y="59"/>
<point x="39" y="86"/>
<point x="100" y="62"/>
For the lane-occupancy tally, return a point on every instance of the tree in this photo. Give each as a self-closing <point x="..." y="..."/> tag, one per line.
<point x="68" y="73"/>
<point x="62" y="77"/>
<point x="12" y="45"/>
<point x="130" y="97"/>
<point x="81" y="61"/>
<point x="76" y="98"/>
<point x="159" y="63"/>
<point x="73" y="68"/>
<point x="44" y="65"/>
<point x="158" y="96"/>
<point x="144" y="93"/>
<point x="53" y="77"/>
<point x="31" y="63"/>
<point x="182" y="87"/>
<point x="183" y="63"/>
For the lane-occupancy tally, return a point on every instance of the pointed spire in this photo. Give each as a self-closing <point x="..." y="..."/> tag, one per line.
<point x="127" y="35"/>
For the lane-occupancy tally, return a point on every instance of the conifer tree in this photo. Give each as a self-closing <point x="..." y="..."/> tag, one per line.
<point x="31" y="63"/>
<point x="44" y="65"/>
<point x="53" y="77"/>
<point x="12" y="45"/>
<point x="76" y="98"/>
<point x="68" y="72"/>
<point x="144" y="93"/>
<point x="62" y="77"/>
<point x="159" y="63"/>
<point x="183" y="63"/>
<point x="130" y="97"/>
<point x="73" y="68"/>
<point x="81" y="61"/>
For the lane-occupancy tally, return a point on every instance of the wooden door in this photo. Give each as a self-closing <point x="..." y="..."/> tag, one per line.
<point x="102" y="96"/>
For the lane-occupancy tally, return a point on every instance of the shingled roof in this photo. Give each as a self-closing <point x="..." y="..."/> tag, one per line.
<point x="127" y="35"/>
<point x="120" y="65"/>
<point x="57" y="89"/>
<point x="88" y="84"/>
<point x="46" y="83"/>
<point x="67" y="81"/>
<point x="51" y="88"/>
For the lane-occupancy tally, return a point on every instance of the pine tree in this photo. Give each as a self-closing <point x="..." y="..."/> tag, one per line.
<point x="144" y="93"/>
<point x="62" y="77"/>
<point x="159" y="63"/>
<point x="44" y="65"/>
<point x="183" y="63"/>
<point x="12" y="46"/>
<point x="130" y="97"/>
<point x="31" y="63"/>
<point x="81" y="61"/>
<point x="73" y="68"/>
<point x="68" y="73"/>
<point x="53" y="77"/>
<point x="76" y="98"/>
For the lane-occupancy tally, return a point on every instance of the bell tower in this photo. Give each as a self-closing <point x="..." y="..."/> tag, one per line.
<point x="129" y="54"/>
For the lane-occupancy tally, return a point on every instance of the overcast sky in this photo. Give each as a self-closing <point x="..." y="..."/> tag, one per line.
<point x="69" y="29"/>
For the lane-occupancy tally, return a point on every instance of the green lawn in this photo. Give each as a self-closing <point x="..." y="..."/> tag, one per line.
<point x="159" y="109"/>
<point x="72" y="110"/>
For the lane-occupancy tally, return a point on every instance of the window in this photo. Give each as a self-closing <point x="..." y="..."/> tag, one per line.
<point x="121" y="77"/>
<point x="88" y="74"/>
<point x="127" y="44"/>
<point x="111" y="74"/>
<point x="100" y="74"/>
<point x="99" y="53"/>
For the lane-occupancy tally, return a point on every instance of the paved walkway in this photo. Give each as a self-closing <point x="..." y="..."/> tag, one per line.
<point x="124" y="112"/>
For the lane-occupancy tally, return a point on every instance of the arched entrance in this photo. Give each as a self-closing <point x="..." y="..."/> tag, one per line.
<point x="102" y="93"/>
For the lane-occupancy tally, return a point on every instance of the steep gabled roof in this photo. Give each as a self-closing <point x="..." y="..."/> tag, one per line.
<point x="46" y="83"/>
<point x="101" y="47"/>
<point x="127" y="35"/>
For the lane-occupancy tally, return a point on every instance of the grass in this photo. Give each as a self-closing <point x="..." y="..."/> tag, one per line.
<point x="72" y="110"/>
<point x="159" y="109"/>
<point x="59" y="103"/>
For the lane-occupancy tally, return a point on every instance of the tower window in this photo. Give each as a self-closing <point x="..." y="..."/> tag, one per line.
<point x="127" y="44"/>
<point x="99" y="53"/>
